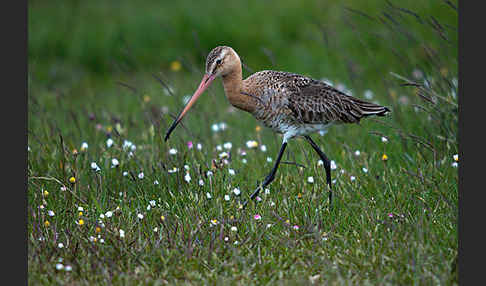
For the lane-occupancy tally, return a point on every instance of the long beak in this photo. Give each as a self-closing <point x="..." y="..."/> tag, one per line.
<point x="205" y="82"/>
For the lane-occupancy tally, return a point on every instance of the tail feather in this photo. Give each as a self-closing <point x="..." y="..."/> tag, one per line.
<point x="368" y="108"/>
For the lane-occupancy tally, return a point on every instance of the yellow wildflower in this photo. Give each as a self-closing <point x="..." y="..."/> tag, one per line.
<point x="72" y="180"/>
<point x="81" y="222"/>
<point x="98" y="229"/>
<point x="384" y="157"/>
<point x="175" y="66"/>
<point x="46" y="223"/>
<point x="46" y="193"/>
<point x="258" y="128"/>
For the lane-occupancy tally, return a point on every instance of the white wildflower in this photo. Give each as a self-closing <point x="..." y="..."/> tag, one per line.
<point x="95" y="166"/>
<point x="127" y="145"/>
<point x="310" y="180"/>
<point x="236" y="191"/>
<point x="231" y="172"/>
<point x="333" y="165"/>
<point x="222" y="126"/>
<point x="84" y="146"/>
<point x="251" y="144"/>
<point x="114" y="162"/>
<point x="109" y="142"/>
<point x="368" y="94"/>
<point x="173" y="151"/>
<point x="227" y="145"/>
<point x="140" y="175"/>
<point x="187" y="177"/>
<point x="223" y="155"/>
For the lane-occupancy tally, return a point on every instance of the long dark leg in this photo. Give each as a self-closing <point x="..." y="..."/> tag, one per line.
<point x="270" y="176"/>
<point x="327" y="164"/>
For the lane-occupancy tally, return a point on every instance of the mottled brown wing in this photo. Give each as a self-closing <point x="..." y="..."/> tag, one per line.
<point x="312" y="101"/>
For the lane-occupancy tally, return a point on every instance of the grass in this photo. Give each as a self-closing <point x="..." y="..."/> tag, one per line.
<point x="392" y="221"/>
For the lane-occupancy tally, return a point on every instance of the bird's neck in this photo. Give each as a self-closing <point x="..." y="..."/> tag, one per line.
<point x="233" y="88"/>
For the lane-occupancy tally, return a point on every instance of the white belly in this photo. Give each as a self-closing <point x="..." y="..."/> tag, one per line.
<point x="290" y="131"/>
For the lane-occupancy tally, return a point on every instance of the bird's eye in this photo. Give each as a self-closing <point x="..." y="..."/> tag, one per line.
<point x="218" y="62"/>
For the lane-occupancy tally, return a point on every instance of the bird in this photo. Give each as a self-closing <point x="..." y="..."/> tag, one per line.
<point x="290" y="104"/>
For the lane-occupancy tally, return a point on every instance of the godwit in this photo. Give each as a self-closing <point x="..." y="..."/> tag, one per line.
<point x="289" y="104"/>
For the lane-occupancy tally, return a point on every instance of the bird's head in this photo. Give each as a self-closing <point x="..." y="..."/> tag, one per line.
<point x="221" y="61"/>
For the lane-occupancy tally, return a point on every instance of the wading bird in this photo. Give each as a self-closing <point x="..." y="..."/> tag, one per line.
<point x="290" y="104"/>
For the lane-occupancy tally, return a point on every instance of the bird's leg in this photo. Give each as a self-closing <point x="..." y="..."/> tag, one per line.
<point x="325" y="160"/>
<point x="270" y="177"/>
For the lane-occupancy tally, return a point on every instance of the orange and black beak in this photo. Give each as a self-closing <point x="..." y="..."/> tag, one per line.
<point x="205" y="82"/>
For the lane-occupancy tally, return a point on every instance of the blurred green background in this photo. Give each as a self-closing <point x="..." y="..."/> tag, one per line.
<point x="319" y="38"/>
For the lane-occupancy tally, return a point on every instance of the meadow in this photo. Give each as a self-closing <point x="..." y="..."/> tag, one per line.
<point x="110" y="202"/>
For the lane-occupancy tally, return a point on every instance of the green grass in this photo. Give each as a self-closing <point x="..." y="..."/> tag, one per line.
<point x="394" y="224"/>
